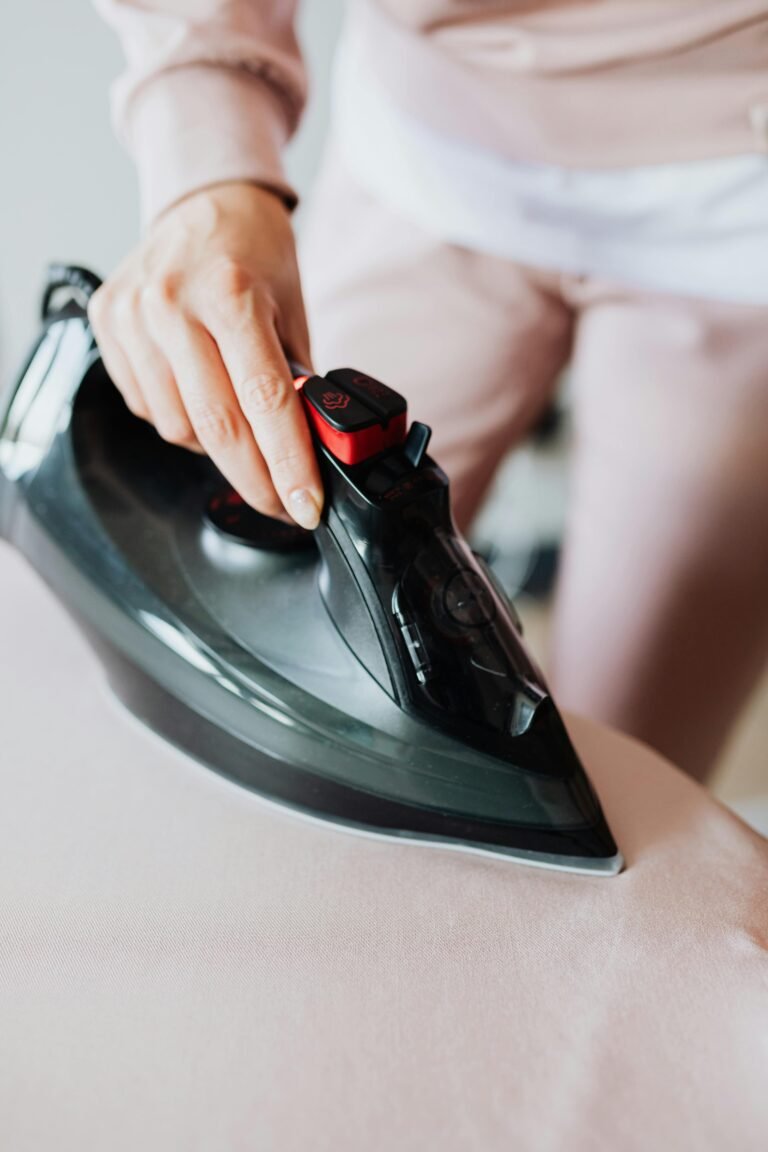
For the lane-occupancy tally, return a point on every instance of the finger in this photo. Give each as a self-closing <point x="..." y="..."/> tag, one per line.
<point x="155" y="378"/>
<point x="101" y="316"/>
<point x="256" y="365"/>
<point x="212" y="408"/>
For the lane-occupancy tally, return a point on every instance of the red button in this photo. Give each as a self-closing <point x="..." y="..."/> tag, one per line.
<point x="349" y="427"/>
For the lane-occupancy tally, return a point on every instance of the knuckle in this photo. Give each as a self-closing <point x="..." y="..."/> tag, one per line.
<point x="175" y="431"/>
<point x="162" y="291"/>
<point x="125" y="306"/>
<point x="229" y="278"/>
<point x="133" y="300"/>
<point x="214" y="424"/>
<point x="263" y="394"/>
<point x="134" y="405"/>
<point x="286" y="465"/>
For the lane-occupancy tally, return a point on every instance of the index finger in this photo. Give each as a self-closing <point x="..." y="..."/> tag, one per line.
<point x="259" y="373"/>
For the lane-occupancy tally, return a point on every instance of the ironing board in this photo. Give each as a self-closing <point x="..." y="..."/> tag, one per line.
<point x="183" y="966"/>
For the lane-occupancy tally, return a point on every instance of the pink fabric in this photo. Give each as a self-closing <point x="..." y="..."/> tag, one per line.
<point x="661" y="624"/>
<point x="211" y="93"/>
<point x="579" y="84"/>
<point x="213" y="90"/>
<point x="182" y="966"/>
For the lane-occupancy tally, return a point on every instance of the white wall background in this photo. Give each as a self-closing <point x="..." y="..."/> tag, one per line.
<point x="67" y="190"/>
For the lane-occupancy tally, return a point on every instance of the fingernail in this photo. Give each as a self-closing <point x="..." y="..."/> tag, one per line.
<point x="304" y="508"/>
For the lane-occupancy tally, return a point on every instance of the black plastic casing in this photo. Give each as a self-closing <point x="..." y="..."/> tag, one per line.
<point x="112" y="518"/>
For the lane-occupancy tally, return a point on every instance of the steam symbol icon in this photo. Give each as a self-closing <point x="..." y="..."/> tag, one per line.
<point x="334" y="400"/>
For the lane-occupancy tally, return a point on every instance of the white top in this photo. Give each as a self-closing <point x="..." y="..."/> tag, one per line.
<point x="694" y="228"/>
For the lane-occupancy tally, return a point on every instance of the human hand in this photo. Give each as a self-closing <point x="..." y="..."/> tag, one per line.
<point x="194" y="329"/>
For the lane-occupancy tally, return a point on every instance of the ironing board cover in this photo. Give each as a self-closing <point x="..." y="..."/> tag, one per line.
<point x="183" y="966"/>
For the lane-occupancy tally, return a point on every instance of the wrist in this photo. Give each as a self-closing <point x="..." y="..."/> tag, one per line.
<point x="182" y="147"/>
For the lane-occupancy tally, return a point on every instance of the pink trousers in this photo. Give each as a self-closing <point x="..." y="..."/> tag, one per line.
<point x="661" y="615"/>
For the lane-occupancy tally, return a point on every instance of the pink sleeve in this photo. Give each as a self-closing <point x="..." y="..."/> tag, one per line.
<point x="212" y="92"/>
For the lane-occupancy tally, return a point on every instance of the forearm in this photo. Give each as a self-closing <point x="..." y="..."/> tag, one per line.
<point x="206" y="98"/>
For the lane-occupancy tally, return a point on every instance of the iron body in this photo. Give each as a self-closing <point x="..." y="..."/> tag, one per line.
<point x="372" y="674"/>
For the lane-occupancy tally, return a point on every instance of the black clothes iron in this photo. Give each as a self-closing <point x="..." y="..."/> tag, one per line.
<point x="371" y="673"/>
